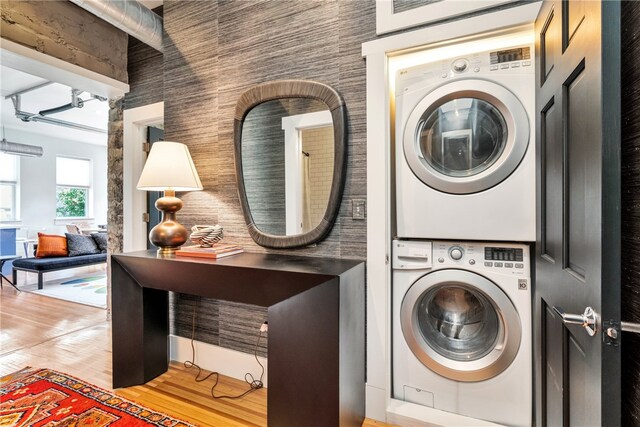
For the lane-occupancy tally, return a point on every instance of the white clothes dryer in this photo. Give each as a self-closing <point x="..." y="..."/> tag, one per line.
<point x="462" y="338"/>
<point x="465" y="148"/>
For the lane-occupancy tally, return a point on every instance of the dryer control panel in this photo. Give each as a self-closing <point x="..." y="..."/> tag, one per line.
<point x="509" y="61"/>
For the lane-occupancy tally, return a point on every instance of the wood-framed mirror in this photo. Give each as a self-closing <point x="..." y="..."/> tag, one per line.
<point x="290" y="155"/>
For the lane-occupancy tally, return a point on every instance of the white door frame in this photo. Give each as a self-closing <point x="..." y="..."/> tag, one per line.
<point x="134" y="201"/>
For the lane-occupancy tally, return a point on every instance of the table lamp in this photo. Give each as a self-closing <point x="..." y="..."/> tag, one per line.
<point x="169" y="168"/>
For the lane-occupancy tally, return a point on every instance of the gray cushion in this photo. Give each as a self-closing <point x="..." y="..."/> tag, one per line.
<point x="79" y="244"/>
<point x="57" y="263"/>
<point x="101" y="241"/>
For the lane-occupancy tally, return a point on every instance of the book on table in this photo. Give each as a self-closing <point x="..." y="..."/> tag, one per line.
<point x="216" y="251"/>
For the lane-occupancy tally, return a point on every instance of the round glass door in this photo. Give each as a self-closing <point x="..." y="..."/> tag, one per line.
<point x="462" y="137"/>
<point x="466" y="136"/>
<point x="460" y="325"/>
<point x="458" y="322"/>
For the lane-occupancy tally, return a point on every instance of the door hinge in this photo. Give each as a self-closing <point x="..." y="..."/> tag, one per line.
<point x="146" y="147"/>
<point x="145" y="217"/>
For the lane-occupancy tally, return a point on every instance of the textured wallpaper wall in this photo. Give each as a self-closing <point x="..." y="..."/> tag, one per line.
<point x="215" y="50"/>
<point x="145" y="67"/>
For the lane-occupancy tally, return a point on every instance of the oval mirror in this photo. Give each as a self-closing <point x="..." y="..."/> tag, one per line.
<point x="290" y="161"/>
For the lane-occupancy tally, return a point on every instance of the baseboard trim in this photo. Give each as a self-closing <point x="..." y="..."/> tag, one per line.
<point x="211" y="357"/>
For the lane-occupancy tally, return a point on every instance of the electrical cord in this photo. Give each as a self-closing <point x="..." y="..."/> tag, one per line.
<point x="250" y="379"/>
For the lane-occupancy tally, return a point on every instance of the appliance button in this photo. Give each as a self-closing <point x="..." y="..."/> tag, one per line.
<point x="476" y="70"/>
<point x="488" y="264"/>
<point x="456" y="253"/>
<point x="508" y="265"/>
<point x="472" y="262"/>
<point x="460" y="65"/>
<point x="515" y="65"/>
<point x="519" y="265"/>
<point x="493" y="67"/>
<point x="441" y="260"/>
<point x="504" y="66"/>
<point x="526" y="63"/>
<point x="498" y="264"/>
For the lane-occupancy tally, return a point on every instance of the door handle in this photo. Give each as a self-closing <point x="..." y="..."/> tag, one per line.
<point x="588" y="320"/>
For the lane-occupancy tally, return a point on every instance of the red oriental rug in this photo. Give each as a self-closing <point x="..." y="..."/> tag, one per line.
<point x="46" y="398"/>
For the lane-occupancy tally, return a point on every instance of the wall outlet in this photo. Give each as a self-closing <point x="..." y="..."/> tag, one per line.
<point x="359" y="208"/>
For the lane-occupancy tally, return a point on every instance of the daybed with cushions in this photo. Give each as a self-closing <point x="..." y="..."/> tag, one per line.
<point x="56" y="253"/>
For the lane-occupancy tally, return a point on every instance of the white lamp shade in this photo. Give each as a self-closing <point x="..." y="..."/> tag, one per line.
<point x="169" y="166"/>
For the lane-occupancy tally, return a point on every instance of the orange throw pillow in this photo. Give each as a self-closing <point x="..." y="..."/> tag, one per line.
<point x="50" y="245"/>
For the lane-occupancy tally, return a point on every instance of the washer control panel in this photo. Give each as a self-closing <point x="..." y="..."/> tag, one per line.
<point x="507" y="258"/>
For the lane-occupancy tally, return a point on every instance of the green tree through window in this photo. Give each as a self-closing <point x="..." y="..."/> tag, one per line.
<point x="71" y="202"/>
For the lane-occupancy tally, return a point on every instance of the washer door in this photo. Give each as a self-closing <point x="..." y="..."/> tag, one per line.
<point x="466" y="136"/>
<point x="460" y="325"/>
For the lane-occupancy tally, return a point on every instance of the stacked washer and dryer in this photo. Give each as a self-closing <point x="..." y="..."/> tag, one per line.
<point x="465" y="208"/>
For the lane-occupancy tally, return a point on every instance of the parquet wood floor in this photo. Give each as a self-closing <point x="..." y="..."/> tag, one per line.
<point x="76" y="339"/>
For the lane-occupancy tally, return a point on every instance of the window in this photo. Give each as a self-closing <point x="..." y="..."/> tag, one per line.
<point x="73" y="187"/>
<point x="8" y="187"/>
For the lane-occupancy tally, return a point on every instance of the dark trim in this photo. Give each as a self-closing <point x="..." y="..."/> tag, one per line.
<point x="543" y="182"/>
<point x="567" y="33"/>
<point x="611" y="402"/>
<point x="294" y="89"/>
<point x="566" y="185"/>
<point x="566" y="383"/>
<point x="543" y="48"/>
<point x="544" y="312"/>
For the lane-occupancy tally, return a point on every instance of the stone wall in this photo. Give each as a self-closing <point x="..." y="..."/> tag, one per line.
<point x="67" y="32"/>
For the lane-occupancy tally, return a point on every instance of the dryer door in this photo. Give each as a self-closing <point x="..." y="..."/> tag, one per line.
<point x="460" y="325"/>
<point x="466" y="136"/>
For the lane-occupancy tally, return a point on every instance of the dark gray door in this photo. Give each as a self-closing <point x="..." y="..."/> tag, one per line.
<point x="578" y="243"/>
<point x="154" y="134"/>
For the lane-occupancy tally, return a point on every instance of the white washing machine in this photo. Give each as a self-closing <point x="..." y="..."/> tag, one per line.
<point x="462" y="328"/>
<point x="465" y="147"/>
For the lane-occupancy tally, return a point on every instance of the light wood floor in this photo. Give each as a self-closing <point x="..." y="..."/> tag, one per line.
<point x="47" y="333"/>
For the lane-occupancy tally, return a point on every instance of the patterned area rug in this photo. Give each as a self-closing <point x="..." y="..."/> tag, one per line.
<point x="46" y="398"/>
<point x="90" y="290"/>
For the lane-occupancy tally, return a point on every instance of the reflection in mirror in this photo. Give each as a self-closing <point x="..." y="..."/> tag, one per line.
<point x="407" y="5"/>
<point x="287" y="162"/>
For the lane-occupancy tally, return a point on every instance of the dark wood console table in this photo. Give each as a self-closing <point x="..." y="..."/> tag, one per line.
<point x="316" y="325"/>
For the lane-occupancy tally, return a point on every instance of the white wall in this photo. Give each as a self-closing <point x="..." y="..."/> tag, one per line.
<point x="38" y="180"/>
